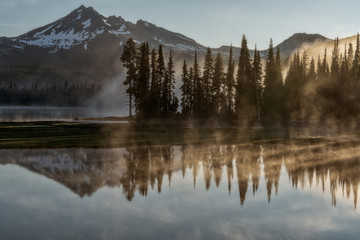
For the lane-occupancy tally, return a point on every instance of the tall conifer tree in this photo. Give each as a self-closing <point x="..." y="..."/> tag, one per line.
<point x="218" y="79"/>
<point x="257" y="69"/>
<point x="185" y="91"/>
<point x="143" y="77"/>
<point x="161" y="74"/>
<point x="335" y="61"/>
<point x="356" y="61"/>
<point x="208" y="75"/>
<point x="243" y="81"/>
<point x="272" y="104"/>
<point x="199" y="100"/>
<point x="230" y="83"/>
<point x="128" y="58"/>
<point x="155" y="85"/>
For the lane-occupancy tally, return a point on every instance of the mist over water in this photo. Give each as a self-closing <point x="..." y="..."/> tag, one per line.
<point x="109" y="101"/>
<point x="111" y="98"/>
<point x="36" y="113"/>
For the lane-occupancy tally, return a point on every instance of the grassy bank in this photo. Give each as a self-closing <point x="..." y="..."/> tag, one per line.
<point x="108" y="135"/>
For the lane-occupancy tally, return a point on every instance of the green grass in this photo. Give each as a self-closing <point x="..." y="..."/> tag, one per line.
<point x="89" y="135"/>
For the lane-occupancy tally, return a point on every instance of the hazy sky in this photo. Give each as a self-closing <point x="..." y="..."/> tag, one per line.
<point x="209" y="22"/>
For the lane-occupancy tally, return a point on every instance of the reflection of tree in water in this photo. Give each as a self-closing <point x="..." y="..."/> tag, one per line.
<point x="273" y="156"/>
<point x="228" y="158"/>
<point x="339" y="163"/>
<point x="205" y="156"/>
<point x="146" y="165"/>
<point x="189" y="161"/>
<point x="304" y="164"/>
<point x="137" y="168"/>
<point x="243" y="169"/>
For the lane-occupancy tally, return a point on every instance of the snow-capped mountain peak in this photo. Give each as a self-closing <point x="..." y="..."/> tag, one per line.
<point x="84" y="24"/>
<point x="79" y="27"/>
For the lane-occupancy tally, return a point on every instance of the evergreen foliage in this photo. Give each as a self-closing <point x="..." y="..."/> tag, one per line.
<point x="229" y="84"/>
<point x="312" y="90"/>
<point x="217" y="101"/>
<point x="244" y="79"/>
<point x="272" y="107"/>
<point x="208" y="75"/>
<point x="128" y="58"/>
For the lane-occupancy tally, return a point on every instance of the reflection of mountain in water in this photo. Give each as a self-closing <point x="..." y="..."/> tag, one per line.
<point x="135" y="169"/>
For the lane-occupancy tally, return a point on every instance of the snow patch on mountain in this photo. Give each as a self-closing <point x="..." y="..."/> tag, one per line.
<point x="87" y="23"/>
<point x="38" y="34"/>
<point x="178" y="46"/>
<point x="61" y="40"/>
<point x="106" y="23"/>
<point x="77" y="18"/>
<point x="79" y="15"/>
<point x="120" y="31"/>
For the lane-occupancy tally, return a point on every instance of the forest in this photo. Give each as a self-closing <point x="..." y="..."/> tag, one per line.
<point x="66" y="95"/>
<point x="44" y="85"/>
<point x="253" y="91"/>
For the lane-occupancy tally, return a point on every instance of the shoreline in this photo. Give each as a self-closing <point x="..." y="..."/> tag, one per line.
<point x="59" y="134"/>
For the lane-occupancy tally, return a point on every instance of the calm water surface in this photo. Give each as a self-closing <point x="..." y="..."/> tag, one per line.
<point x="271" y="191"/>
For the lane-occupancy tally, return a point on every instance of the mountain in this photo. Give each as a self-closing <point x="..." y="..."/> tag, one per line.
<point x="85" y="47"/>
<point x="84" y="25"/>
<point x="297" y="40"/>
<point x="86" y="44"/>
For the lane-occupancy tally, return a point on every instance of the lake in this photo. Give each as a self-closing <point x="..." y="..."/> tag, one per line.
<point x="246" y="191"/>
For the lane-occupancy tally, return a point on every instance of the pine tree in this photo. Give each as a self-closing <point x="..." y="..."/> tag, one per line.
<point x="279" y="78"/>
<point x="335" y="62"/>
<point x="218" y="79"/>
<point x="167" y="88"/>
<point x="344" y="69"/>
<point x="173" y="101"/>
<point x="257" y="69"/>
<point x="294" y="86"/>
<point x="143" y="77"/>
<point x="356" y="61"/>
<point x="312" y="72"/>
<point x="155" y="85"/>
<point x="323" y="72"/>
<point x="305" y="63"/>
<point x="192" y="90"/>
<point x="208" y="75"/>
<point x="230" y="83"/>
<point x="128" y="58"/>
<point x="199" y="100"/>
<point x="272" y="110"/>
<point x="185" y="90"/>
<point x="318" y="68"/>
<point x="161" y="74"/>
<point x="350" y="56"/>
<point x="243" y="82"/>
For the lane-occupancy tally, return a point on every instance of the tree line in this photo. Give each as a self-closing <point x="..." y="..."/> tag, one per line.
<point x="310" y="91"/>
<point x="322" y="90"/>
<point x="150" y="81"/>
<point x="69" y="95"/>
